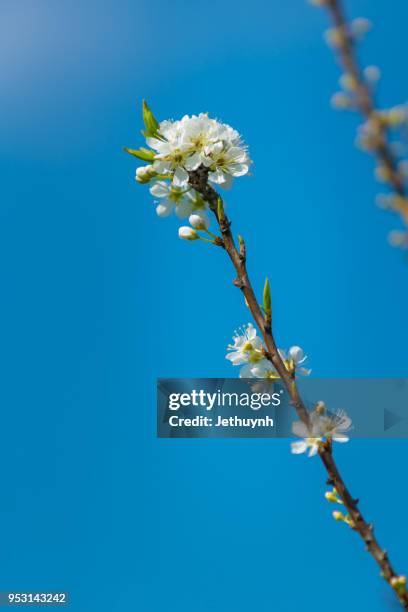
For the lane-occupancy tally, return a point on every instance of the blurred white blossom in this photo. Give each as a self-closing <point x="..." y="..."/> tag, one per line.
<point x="322" y="425"/>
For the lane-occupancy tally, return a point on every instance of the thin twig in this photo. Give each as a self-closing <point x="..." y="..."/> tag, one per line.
<point x="199" y="181"/>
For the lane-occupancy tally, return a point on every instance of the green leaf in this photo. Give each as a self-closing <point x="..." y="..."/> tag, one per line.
<point x="150" y="121"/>
<point x="142" y="153"/>
<point x="267" y="299"/>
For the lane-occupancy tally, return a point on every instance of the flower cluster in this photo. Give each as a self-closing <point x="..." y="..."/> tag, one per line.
<point x="177" y="148"/>
<point x="248" y="351"/>
<point x="323" y="426"/>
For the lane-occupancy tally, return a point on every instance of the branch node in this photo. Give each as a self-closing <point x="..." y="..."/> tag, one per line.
<point x="238" y="282"/>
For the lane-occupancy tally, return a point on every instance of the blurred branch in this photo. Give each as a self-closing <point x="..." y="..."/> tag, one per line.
<point x="376" y="135"/>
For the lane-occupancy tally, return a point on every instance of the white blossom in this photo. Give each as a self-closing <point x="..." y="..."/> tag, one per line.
<point x="246" y="349"/>
<point x="322" y="425"/>
<point x="294" y="358"/>
<point x="225" y="162"/>
<point x="335" y="426"/>
<point x="172" y="198"/>
<point x="307" y="444"/>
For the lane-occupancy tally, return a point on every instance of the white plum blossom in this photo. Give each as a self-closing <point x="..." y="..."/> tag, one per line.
<point x="248" y="351"/>
<point x="294" y="358"/>
<point x="335" y="426"/>
<point x="263" y="369"/>
<point x="173" y="198"/>
<point x="173" y="155"/>
<point x="308" y="443"/>
<point x="322" y="425"/>
<point x="225" y="162"/>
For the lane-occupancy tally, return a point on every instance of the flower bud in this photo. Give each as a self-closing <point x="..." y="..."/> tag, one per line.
<point x="320" y="408"/>
<point x="188" y="233"/>
<point x="340" y="101"/>
<point x="199" y="221"/>
<point x="396" y="116"/>
<point x="348" y="82"/>
<point x="331" y="497"/>
<point x="398" y="238"/>
<point x="338" y="516"/>
<point x="372" y="74"/>
<point x="383" y="174"/>
<point x="360" y="26"/>
<point x="398" y="582"/>
<point x="403" y="167"/>
<point x="144" y="174"/>
<point x="334" y="37"/>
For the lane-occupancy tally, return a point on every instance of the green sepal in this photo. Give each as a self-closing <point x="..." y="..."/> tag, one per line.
<point x="142" y="153"/>
<point x="149" y="120"/>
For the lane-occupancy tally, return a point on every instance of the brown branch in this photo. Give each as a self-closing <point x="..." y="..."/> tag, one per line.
<point x="346" y="54"/>
<point x="199" y="181"/>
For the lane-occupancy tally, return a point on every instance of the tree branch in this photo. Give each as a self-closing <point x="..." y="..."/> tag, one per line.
<point x="346" y="53"/>
<point x="198" y="179"/>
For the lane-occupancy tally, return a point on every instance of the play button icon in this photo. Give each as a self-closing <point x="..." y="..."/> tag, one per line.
<point x="391" y="419"/>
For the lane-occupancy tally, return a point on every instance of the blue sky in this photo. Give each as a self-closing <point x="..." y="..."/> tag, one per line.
<point x="100" y="298"/>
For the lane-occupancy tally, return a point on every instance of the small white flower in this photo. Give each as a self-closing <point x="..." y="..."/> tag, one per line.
<point x="246" y="349"/>
<point x="322" y="426"/>
<point x="225" y="163"/>
<point x="335" y="426"/>
<point x="294" y="358"/>
<point x="263" y="369"/>
<point x="187" y="233"/>
<point x="310" y="444"/>
<point x="172" y="198"/>
<point x="311" y="438"/>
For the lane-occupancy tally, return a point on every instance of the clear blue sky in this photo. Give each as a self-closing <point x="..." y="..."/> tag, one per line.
<point x="100" y="298"/>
